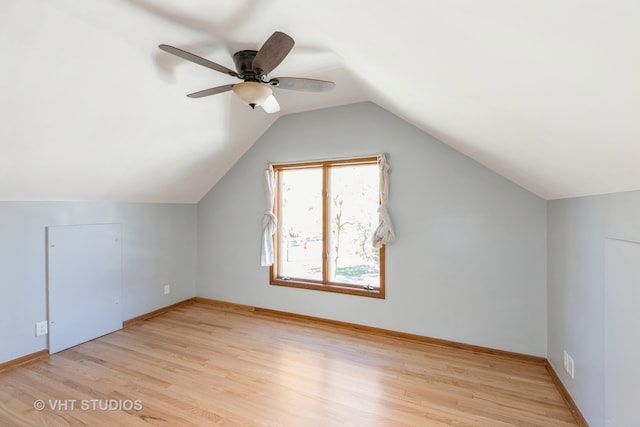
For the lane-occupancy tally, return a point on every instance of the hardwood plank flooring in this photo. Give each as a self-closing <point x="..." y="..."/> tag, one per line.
<point x="202" y="365"/>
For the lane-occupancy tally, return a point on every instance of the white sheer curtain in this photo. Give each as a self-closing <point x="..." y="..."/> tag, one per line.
<point x="384" y="234"/>
<point x="269" y="220"/>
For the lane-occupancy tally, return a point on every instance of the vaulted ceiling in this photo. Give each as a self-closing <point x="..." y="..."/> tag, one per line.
<point x="546" y="92"/>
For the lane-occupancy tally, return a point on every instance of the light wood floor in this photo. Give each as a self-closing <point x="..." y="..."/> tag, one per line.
<point x="201" y="365"/>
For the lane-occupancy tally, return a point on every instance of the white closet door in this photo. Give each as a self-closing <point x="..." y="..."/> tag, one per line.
<point x="622" y="333"/>
<point x="84" y="283"/>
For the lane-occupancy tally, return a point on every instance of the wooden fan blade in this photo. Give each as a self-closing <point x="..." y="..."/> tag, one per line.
<point x="272" y="52"/>
<point x="305" y="85"/>
<point x="270" y="105"/>
<point x="211" y="91"/>
<point x="197" y="59"/>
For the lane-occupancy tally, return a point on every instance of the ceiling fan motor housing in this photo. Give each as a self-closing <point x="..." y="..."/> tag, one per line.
<point x="243" y="61"/>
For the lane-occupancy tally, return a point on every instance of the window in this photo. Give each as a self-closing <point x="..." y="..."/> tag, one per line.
<point x="327" y="213"/>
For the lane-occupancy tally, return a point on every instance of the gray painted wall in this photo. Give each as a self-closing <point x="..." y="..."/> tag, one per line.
<point x="470" y="261"/>
<point x="578" y="229"/>
<point x="158" y="248"/>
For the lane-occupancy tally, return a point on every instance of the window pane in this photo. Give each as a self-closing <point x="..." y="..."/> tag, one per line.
<point x="300" y="245"/>
<point x="353" y="217"/>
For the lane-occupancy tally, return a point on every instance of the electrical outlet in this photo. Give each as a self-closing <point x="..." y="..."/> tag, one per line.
<point x="167" y="289"/>
<point x="41" y="328"/>
<point x="568" y="364"/>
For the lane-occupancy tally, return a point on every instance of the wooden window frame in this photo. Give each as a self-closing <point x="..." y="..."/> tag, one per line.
<point x="324" y="284"/>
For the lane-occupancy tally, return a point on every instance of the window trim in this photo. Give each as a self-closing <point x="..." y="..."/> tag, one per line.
<point x="322" y="285"/>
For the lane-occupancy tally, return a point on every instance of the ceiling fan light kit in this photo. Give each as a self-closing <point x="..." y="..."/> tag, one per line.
<point x="252" y="67"/>
<point x="252" y="93"/>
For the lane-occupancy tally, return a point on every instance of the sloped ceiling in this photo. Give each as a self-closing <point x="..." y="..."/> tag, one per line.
<point x="546" y="93"/>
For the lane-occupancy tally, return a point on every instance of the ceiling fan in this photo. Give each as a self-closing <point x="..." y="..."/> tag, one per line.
<point x="252" y="67"/>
